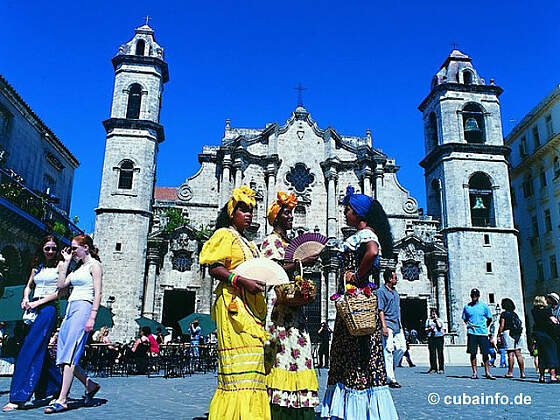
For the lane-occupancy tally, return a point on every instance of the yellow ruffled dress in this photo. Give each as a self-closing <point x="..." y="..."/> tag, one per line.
<point x="240" y="317"/>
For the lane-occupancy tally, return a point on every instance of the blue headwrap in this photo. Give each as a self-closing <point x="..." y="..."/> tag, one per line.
<point x="360" y="203"/>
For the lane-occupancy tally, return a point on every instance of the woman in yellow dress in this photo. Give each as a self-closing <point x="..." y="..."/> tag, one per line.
<point x="292" y="383"/>
<point x="240" y="314"/>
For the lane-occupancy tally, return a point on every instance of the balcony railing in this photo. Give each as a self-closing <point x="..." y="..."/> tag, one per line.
<point x="38" y="207"/>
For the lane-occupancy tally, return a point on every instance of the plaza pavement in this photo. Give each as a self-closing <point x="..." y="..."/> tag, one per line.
<point x="139" y="397"/>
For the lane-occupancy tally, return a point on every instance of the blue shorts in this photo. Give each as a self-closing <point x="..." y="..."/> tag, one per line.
<point x="474" y="342"/>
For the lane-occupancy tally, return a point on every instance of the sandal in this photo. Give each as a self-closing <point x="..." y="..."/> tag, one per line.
<point x="492" y="378"/>
<point x="509" y="376"/>
<point x="55" y="408"/>
<point x="541" y="381"/>
<point x="10" y="407"/>
<point x="474" y="377"/>
<point x="88" y="396"/>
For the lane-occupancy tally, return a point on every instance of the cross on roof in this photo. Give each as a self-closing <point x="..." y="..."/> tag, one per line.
<point x="454" y="45"/>
<point x="148" y="19"/>
<point x="300" y="90"/>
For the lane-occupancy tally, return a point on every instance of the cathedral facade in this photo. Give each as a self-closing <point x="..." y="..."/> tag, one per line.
<point x="154" y="234"/>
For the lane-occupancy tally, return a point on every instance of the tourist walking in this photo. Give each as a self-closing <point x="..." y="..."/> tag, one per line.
<point x="292" y="383"/>
<point x="511" y="329"/>
<point x="357" y="383"/>
<point x="240" y="314"/>
<point x="324" y="334"/>
<point x="394" y="343"/>
<point x="35" y="371"/>
<point x="78" y="322"/>
<point x="435" y="333"/>
<point x="545" y="330"/>
<point x="477" y="316"/>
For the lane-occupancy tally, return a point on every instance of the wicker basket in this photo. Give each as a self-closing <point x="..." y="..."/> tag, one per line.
<point x="289" y="294"/>
<point x="358" y="311"/>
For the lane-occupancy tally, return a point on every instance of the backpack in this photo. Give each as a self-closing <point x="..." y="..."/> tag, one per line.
<point x="516" y="325"/>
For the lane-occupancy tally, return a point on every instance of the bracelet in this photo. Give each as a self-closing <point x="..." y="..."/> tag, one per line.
<point x="234" y="281"/>
<point x="230" y="278"/>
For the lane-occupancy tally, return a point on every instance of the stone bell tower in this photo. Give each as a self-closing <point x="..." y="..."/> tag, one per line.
<point x="127" y="186"/>
<point x="468" y="188"/>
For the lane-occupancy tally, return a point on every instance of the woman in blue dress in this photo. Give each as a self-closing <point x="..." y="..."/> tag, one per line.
<point x="357" y="385"/>
<point x="35" y="371"/>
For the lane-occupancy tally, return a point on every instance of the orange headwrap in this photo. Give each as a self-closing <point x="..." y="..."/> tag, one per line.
<point x="244" y="194"/>
<point x="283" y="199"/>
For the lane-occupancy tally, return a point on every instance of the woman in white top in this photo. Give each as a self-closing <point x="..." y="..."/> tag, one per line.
<point x="34" y="371"/>
<point x="78" y="322"/>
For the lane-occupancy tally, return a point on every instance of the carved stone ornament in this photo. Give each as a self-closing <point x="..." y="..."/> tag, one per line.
<point x="184" y="193"/>
<point x="410" y="206"/>
<point x="183" y="243"/>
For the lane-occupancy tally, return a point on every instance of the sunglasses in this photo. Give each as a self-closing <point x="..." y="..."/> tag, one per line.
<point x="74" y="248"/>
<point x="49" y="248"/>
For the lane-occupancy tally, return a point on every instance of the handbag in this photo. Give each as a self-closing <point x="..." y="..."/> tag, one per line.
<point x="29" y="316"/>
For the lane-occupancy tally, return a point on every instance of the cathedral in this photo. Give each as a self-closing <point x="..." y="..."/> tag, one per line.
<point x="154" y="233"/>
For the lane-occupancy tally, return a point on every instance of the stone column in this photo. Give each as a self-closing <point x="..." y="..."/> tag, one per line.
<point x="329" y="283"/>
<point x="440" y="272"/>
<point x="331" y="178"/>
<point x="366" y="181"/>
<point x="238" y="171"/>
<point x="153" y="256"/>
<point x="225" y="185"/>
<point x="377" y="180"/>
<point x="270" y="174"/>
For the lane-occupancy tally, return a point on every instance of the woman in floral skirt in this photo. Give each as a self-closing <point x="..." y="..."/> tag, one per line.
<point x="292" y="383"/>
<point x="357" y="384"/>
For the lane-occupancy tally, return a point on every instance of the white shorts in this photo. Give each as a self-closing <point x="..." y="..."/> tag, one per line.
<point x="509" y="342"/>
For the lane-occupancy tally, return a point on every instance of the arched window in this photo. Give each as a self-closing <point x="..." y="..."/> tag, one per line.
<point x="435" y="199"/>
<point x="300" y="216"/>
<point x="140" y="47"/>
<point x="473" y="124"/>
<point x="134" y="101"/>
<point x="432" y="131"/>
<point x="467" y="77"/>
<point x="481" y="200"/>
<point x="126" y="174"/>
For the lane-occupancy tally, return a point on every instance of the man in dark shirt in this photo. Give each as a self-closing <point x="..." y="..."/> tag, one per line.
<point x="324" y="339"/>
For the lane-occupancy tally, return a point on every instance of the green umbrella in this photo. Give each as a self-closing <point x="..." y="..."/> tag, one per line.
<point x="205" y="322"/>
<point x="154" y="325"/>
<point x="104" y="315"/>
<point x="10" y="309"/>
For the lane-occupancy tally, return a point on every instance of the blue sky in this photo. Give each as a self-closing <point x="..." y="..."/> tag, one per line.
<point x="365" y="65"/>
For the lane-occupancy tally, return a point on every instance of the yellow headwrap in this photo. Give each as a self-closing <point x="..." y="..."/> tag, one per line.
<point x="284" y="199"/>
<point x="244" y="194"/>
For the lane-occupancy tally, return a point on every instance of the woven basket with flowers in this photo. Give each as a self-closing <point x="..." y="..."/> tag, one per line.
<point x="299" y="292"/>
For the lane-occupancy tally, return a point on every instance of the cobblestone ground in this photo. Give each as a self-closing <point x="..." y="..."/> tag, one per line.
<point x="139" y="397"/>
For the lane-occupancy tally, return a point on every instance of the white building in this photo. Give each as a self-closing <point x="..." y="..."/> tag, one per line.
<point x="535" y="181"/>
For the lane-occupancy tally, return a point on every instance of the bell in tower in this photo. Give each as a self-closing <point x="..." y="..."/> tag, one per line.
<point x="473" y="133"/>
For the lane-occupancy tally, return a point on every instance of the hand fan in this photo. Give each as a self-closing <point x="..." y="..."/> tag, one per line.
<point x="263" y="269"/>
<point x="304" y="246"/>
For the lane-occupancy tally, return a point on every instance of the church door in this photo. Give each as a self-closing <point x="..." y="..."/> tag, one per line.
<point x="414" y="314"/>
<point x="177" y="304"/>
